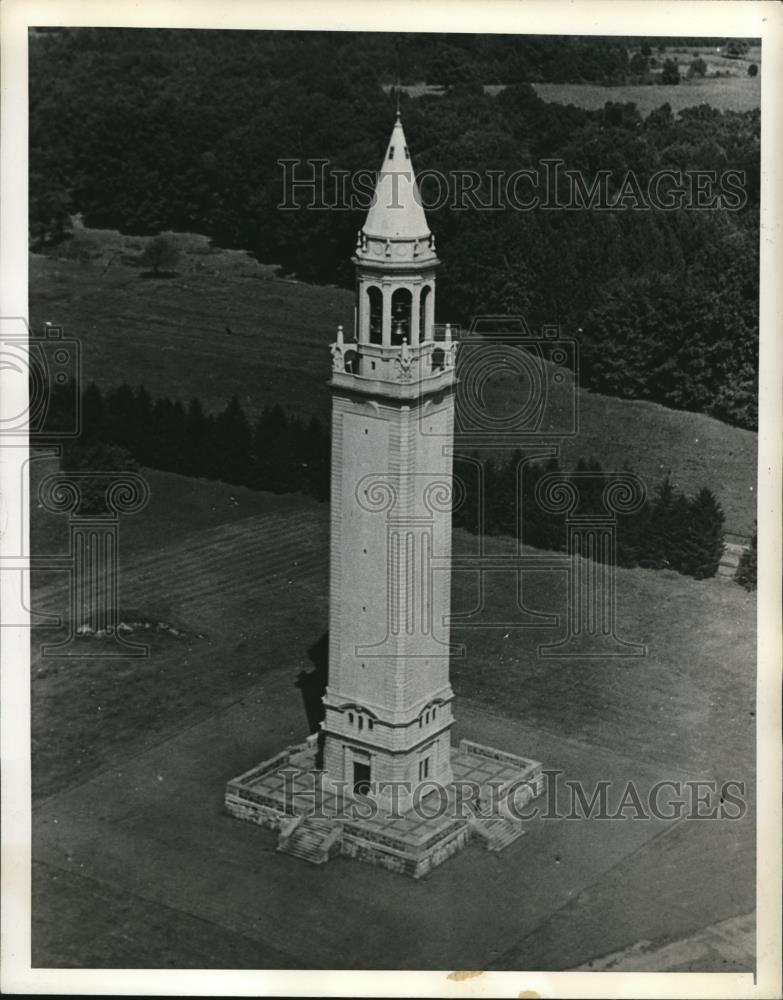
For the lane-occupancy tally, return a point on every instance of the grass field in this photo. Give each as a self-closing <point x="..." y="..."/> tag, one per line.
<point x="735" y="91"/>
<point x="724" y="93"/>
<point x="138" y="878"/>
<point x="171" y="336"/>
<point x="248" y="593"/>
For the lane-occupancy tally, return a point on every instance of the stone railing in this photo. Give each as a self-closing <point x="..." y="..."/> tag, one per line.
<point x="468" y="746"/>
<point x="398" y="370"/>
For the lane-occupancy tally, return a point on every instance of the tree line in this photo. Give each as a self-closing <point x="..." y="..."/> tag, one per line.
<point x="281" y="454"/>
<point x="278" y="453"/>
<point x="668" y="531"/>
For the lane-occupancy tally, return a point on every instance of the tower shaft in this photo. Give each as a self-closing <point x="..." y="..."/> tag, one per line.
<point x="388" y="701"/>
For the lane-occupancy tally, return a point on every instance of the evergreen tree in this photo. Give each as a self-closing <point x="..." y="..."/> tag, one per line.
<point x="705" y="535"/>
<point x="505" y="502"/>
<point x="197" y="447"/>
<point x="233" y="444"/>
<point x="317" y="460"/>
<point x="540" y="527"/>
<point x="120" y="412"/>
<point x="142" y="422"/>
<point x="269" y="450"/>
<point x="62" y="407"/>
<point x="296" y="452"/>
<point x="491" y="476"/>
<point x="466" y="514"/>
<point x="658" y="551"/>
<point x="681" y="546"/>
<point x="633" y="536"/>
<point x="533" y="519"/>
<point x="162" y="453"/>
<point x="671" y="72"/>
<point x="179" y="437"/>
<point x="94" y="423"/>
<point x="746" y="571"/>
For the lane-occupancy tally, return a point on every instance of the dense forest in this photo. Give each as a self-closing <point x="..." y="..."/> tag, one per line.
<point x="147" y="131"/>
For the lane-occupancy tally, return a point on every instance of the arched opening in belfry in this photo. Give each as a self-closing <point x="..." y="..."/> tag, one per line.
<point x="375" y="301"/>
<point x="423" y="314"/>
<point x="401" y="317"/>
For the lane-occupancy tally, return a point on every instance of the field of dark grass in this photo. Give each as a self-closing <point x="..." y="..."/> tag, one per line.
<point x="226" y="325"/>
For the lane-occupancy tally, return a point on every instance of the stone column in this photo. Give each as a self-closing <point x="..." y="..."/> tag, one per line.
<point x="362" y="314"/>
<point x="415" y="307"/>
<point x="430" y="311"/>
<point x="387" y="317"/>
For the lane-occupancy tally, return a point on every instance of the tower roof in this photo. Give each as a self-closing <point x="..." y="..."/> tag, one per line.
<point x="396" y="211"/>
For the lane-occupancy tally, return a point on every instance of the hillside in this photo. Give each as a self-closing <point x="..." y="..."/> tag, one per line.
<point x="226" y="325"/>
<point x="242" y="576"/>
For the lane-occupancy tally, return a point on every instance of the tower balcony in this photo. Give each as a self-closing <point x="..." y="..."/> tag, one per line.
<point x="401" y="371"/>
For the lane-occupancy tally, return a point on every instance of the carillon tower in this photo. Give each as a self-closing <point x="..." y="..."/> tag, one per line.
<point x="386" y="732"/>
<point x="388" y="702"/>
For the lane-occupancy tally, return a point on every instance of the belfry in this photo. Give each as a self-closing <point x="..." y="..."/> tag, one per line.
<point x="380" y="781"/>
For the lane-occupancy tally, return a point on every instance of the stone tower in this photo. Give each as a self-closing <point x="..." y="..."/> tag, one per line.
<point x="388" y="702"/>
<point x="385" y="739"/>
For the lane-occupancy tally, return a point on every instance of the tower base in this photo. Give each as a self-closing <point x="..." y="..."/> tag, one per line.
<point x="317" y="820"/>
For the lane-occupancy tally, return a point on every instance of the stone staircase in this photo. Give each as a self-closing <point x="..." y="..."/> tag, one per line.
<point x="312" y="840"/>
<point x="496" y="832"/>
<point x="733" y="547"/>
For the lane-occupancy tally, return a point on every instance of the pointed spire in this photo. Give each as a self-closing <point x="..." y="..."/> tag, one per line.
<point x="396" y="211"/>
